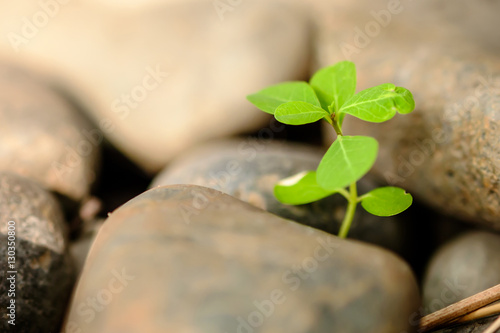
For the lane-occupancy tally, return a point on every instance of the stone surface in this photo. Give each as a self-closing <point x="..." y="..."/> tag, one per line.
<point x="42" y="136"/>
<point x="461" y="268"/>
<point x="44" y="275"/>
<point x="79" y="248"/>
<point x="478" y="326"/>
<point x="159" y="77"/>
<point x="447" y="151"/>
<point x="248" y="169"/>
<point x="345" y="23"/>
<point x="192" y="259"/>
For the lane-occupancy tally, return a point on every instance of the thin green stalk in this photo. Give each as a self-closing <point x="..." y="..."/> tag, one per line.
<point x="336" y="126"/>
<point x="344" y="193"/>
<point x="351" y="208"/>
<point x="352" y="196"/>
<point x="360" y="198"/>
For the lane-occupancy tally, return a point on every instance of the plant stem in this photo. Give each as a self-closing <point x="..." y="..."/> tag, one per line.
<point x="344" y="193"/>
<point x="351" y="208"/>
<point x="352" y="197"/>
<point x="336" y="126"/>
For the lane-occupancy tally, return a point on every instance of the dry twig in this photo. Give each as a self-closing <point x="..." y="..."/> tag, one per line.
<point x="480" y="313"/>
<point x="459" y="309"/>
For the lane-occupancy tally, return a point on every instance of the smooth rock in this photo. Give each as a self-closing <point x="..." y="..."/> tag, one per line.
<point x="42" y="136"/>
<point x="248" y="169"/>
<point x="360" y="23"/>
<point x="447" y="152"/>
<point x="192" y="259"/>
<point x="160" y="77"/>
<point x="44" y="271"/>
<point x="461" y="268"/>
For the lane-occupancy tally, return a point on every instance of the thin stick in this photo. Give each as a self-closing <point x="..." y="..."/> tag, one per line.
<point x="460" y="308"/>
<point x="493" y="327"/>
<point x="480" y="313"/>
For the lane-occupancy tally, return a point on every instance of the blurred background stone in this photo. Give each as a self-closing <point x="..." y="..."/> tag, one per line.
<point x="461" y="268"/>
<point x="160" y="77"/>
<point x="45" y="272"/>
<point x="194" y="259"/>
<point x="456" y="23"/>
<point x="43" y="137"/>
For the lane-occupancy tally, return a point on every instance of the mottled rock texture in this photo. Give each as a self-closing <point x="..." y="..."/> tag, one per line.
<point x="44" y="272"/>
<point x="447" y="152"/>
<point x="42" y="136"/>
<point x="192" y="259"/>
<point x="248" y="169"/>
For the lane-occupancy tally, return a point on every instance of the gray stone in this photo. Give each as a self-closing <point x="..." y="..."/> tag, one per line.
<point x="477" y="326"/>
<point x="248" y="169"/>
<point x="43" y="137"/>
<point x="160" y="77"/>
<point x="447" y="152"/>
<point x="461" y="268"/>
<point x="43" y="271"/>
<point x="192" y="259"/>
<point x="79" y="248"/>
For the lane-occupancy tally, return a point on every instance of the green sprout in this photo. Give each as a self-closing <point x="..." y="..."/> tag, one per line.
<point x="330" y="95"/>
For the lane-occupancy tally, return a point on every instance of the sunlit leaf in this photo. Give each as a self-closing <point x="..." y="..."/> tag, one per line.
<point x="346" y="161"/>
<point x="379" y="103"/>
<point x="299" y="113"/>
<point x="335" y="84"/>
<point x="300" y="189"/>
<point x="270" y="98"/>
<point x="386" y="201"/>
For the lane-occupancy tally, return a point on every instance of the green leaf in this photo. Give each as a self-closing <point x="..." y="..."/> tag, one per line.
<point x="386" y="201"/>
<point x="379" y="103"/>
<point x="335" y="84"/>
<point x="271" y="97"/>
<point x="404" y="101"/>
<point x="300" y="189"/>
<point x="346" y="161"/>
<point x="299" y="113"/>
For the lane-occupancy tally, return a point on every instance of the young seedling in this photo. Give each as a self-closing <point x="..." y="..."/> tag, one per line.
<point x="330" y="95"/>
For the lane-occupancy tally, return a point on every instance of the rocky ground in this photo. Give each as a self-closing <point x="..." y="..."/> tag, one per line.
<point x="136" y="180"/>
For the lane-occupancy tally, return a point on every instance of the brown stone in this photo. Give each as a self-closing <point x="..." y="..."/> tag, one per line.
<point x="447" y="151"/>
<point x="43" y="137"/>
<point x="42" y="271"/>
<point x="192" y="259"/>
<point x="248" y="169"/>
<point x="160" y="77"/>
